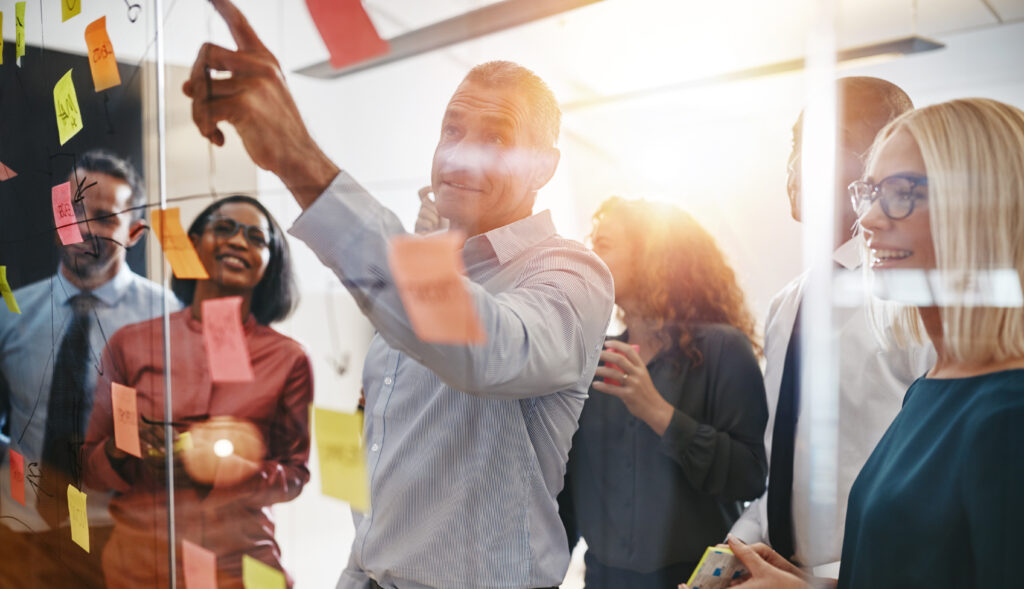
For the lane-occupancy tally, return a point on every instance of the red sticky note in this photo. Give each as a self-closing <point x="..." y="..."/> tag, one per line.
<point x="64" y="214"/>
<point x="101" y="55"/>
<point x="615" y="366"/>
<point x="200" y="566"/>
<point x="17" y="476"/>
<point x="347" y="31"/>
<point x="6" y="173"/>
<point x="126" y="419"/>
<point x="226" y="349"/>
<point x="428" y="273"/>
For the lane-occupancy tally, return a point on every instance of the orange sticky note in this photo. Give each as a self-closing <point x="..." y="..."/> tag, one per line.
<point x="342" y="459"/>
<point x="69" y="8"/>
<point x="17" y="476"/>
<point x="226" y="349"/>
<point x="101" y="55"/>
<point x="79" y="518"/>
<point x="6" y="173"/>
<point x="176" y="245"/>
<point x="259" y="575"/>
<point x="428" y="274"/>
<point x="126" y="419"/>
<point x="8" y="294"/>
<point x="347" y="31"/>
<point x="200" y="566"/>
<point x="64" y="214"/>
<point x="65" y="102"/>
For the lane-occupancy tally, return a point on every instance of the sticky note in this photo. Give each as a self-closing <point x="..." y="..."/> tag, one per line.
<point x="428" y="274"/>
<point x="258" y="575"/>
<point x="79" y="518"/>
<point x="101" y="55"/>
<point x="200" y="566"/>
<point x="1" y="38"/>
<point x="6" y="173"/>
<point x="19" y="28"/>
<point x="65" y="101"/>
<point x="176" y="245"/>
<point x="342" y="460"/>
<point x="226" y="349"/>
<point x="64" y="214"/>
<point x="347" y="31"/>
<point x="126" y="419"/>
<point x="5" y="289"/>
<point x="69" y="8"/>
<point x="17" y="462"/>
<point x="612" y="381"/>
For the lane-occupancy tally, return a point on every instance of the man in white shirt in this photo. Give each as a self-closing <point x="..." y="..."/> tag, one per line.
<point x="466" y="444"/>
<point x="872" y="380"/>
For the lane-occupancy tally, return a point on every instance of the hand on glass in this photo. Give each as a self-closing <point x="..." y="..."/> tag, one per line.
<point x="635" y="387"/>
<point x="254" y="98"/>
<point x="429" y="220"/>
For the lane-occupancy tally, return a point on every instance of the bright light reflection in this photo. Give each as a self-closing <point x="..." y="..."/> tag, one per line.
<point x="223" y="448"/>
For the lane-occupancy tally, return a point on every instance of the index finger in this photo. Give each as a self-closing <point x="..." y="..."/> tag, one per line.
<point x="425" y="193"/>
<point x="241" y="31"/>
<point x="624" y="349"/>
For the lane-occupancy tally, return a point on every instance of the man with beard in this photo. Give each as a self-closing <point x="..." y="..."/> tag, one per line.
<point x="49" y="358"/>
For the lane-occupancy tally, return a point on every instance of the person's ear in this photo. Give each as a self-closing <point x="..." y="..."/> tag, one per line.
<point x="545" y="163"/>
<point x="135" y="232"/>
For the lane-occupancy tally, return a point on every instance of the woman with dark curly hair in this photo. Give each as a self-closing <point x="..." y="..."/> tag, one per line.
<point x="671" y="439"/>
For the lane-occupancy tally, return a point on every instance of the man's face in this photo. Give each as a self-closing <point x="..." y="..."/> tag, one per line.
<point x="105" y="233"/>
<point x="487" y="166"/>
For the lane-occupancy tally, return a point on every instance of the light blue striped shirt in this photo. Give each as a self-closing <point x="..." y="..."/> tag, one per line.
<point x="467" y="445"/>
<point x="28" y="349"/>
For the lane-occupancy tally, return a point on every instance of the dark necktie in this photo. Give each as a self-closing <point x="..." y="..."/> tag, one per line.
<point x="65" y="413"/>
<point x="780" y="471"/>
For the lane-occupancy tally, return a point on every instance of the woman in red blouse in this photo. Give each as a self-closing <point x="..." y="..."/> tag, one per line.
<point x="223" y="491"/>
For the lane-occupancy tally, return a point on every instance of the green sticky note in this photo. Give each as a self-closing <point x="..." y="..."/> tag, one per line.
<point x="65" y="101"/>
<point x="258" y="575"/>
<point x="8" y="294"/>
<point x="342" y="459"/>
<point x="69" y="8"/>
<point x="19" y="28"/>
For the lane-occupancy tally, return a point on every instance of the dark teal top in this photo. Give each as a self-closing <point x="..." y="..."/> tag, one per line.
<point x="940" y="502"/>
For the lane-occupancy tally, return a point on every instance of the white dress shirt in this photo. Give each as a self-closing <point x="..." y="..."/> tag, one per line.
<point x="872" y="382"/>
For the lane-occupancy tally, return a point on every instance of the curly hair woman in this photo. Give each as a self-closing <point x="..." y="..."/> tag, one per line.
<point x="671" y="439"/>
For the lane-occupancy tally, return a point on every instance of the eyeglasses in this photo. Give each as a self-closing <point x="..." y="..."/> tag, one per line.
<point x="226" y="228"/>
<point x="896" y="193"/>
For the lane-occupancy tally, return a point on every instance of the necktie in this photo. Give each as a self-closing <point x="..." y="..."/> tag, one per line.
<point x="65" y="412"/>
<point x="780" y="471"/>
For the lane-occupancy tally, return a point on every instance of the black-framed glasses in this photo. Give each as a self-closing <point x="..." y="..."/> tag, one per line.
<point x="226" y="228"/>
<point x="897" y="195"/>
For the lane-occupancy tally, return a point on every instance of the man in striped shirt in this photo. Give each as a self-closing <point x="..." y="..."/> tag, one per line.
<point x="466" y="444"/>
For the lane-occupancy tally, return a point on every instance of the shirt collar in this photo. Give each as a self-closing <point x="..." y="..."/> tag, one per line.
<point x="109" y="293"/>
<point x="515" y="238"/>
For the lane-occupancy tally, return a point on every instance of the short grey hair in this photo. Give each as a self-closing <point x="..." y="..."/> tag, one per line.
<point x="547" y="117"/>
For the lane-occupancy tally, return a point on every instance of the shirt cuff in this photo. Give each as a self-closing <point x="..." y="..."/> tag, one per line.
<point x="747" y="529"/>
<point x="678" y="435"/>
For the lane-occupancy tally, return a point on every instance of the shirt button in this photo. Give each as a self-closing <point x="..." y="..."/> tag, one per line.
<point x="388" y="381"/>
<point x="375" y="447"/>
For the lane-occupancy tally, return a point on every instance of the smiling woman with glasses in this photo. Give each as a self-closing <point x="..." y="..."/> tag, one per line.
<point x="249" y="446"/>
<point x="896" y="194"/>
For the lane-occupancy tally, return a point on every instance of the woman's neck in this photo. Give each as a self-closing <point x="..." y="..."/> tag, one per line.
<point x="946" y="364"/>
<point x="643" y="333"/>
<point x="207" y="289"/>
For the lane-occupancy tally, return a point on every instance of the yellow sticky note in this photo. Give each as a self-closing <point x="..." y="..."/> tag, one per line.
<point x="5" y="289"/>
<point x="19" y="28"/>
<point x="259" y="575"/>
<point x="1" y="38"/>
<point x="342" y="460"/>
<point x="69" y="117"/>
<point x="101" y="55"/>
<point x="69" y="8"/>
<point x="176" y="245"/>
<point x="79" y="518"/>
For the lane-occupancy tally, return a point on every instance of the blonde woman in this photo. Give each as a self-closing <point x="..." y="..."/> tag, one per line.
<point x="941" y="500"/>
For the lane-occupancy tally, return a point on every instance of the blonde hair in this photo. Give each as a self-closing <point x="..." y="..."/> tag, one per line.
<point x="973" y="151"/>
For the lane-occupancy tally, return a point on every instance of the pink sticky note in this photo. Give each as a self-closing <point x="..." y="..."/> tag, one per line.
<point x="6" y="173"/>
<point x="615" y="366"/>
<point x="347" y="31"/>
<point x="226" y="349"/>
<point x="64" y="214"/>
<point x="200" y="566"/>
<point x="17" y="476"/>
<point x="428" y="273"/>
<point x="123" y="401"/>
